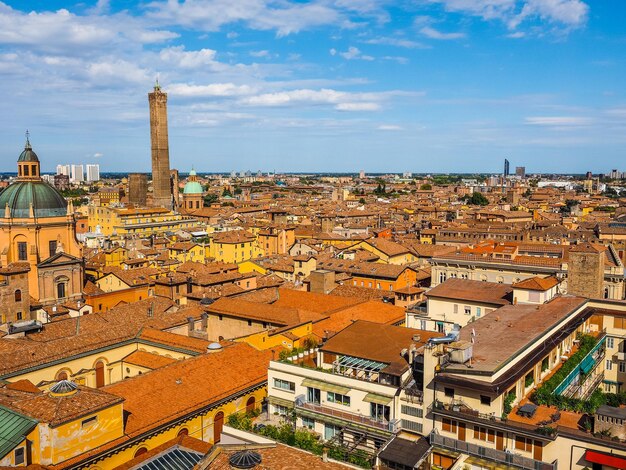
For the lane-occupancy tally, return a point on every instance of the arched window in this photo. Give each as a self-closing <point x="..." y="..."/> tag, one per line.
<point x="62" y="375"/>
<point x="141" y="451"/>
<point x="61" y="287"/>
<point x="18" y="295"/>
<point x="183" y="432"/>
<point x="250" y="405"/>
<point x="218" y="425"/>
<point x="99" y="374"/>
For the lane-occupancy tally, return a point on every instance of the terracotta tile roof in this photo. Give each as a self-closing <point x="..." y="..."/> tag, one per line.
<point x="376" y="342"/>
<point x="279" y="457"/>
<point x="388" y="247"/>
<point x="184" y="442"/>
<point x="373" y="311"/>
<point x="53" y="410"/>
<point x="537" y="283"/>
<point x="234" y="236"/>
<point x="476" y="291"/>
<point x="73" y="336"/>
<point x="314" y="302"/>
<point x="171" y="339"/>
<point x="148" y="360"/>
<point x="181" y="388"/>
<point x="281" y="316"/>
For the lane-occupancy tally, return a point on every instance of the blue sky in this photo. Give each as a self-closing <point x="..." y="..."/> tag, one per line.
<point x="321" y="85"/>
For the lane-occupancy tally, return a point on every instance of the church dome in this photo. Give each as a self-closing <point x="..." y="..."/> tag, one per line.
<point x="192" y="186"/>
<point x="46" y="200"/>
<point x="28" y="154"/>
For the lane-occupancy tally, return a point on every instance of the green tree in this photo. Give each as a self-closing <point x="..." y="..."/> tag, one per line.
<point x="476" y="199"/>
<point x="227" y="193"/>
<point x="426" y="187"/>
<point x="210" y="199"/>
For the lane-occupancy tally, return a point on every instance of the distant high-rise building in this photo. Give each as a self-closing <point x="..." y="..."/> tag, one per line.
<point x="362" y="174"/>
<point x="589" y="175"/>
<point x="161" y="182"/>
<point x="506" y="168"/>
<point x="520" y="171"/>
<point x="137" y="189"/>
<point x="93" y="172"/>
<point x="77" y="174"/>
<point x="64" y="170"/>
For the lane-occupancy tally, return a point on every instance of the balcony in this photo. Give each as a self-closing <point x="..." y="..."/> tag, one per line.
<point x="499" y="456"/>
<point x="459" y="410"/>
<point x="383" y="425"/>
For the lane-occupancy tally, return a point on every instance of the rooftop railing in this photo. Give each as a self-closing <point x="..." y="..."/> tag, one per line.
<point x="500" y="456"/>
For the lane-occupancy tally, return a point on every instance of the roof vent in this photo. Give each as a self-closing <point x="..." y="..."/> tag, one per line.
<point x="214" y="347"/>
<point x="245" y="459"/>
<point x="63" y="388"/>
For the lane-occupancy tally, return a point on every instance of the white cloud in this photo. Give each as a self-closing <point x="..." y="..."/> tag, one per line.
<point x="98" y="155"/>
<point x="179" y="57"/>
<point x="389" y="127"/>
<point x="399" y="42"/>
<point x="567" y="13"/>
<point x="104" y="72"/>
<point x="263" y="53"/>
<point x="559" y="121"/>
<point x="432" y="33"/>
<point x="353" y="53"/>
<point x="214" y="89"/>
<point x="357" y="107"/>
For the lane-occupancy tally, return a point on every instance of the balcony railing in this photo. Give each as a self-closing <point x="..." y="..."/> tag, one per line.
<point x="458" y="409"/>
<point x="384" y="425"/>
<point x="500" y="456"/>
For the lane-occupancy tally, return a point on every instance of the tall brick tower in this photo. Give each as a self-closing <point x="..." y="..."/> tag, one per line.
<point x="161" y="186"/>
<point x="585" y="272"/>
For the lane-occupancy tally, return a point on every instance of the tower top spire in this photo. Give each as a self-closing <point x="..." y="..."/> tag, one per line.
<point x="156" y="84"/>
<point x="27" y="145"/>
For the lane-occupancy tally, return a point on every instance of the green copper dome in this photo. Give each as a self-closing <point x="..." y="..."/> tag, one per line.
<point x="192" y="187"/>
<point x="28" y="155"/>
<point x="46" y="201"/>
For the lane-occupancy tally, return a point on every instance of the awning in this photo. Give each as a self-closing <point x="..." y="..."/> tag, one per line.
<point x="280" y="401"/>
<point x="327" y="387"/>
<point x="375" y="398"/>
<point x="609" y="460"/>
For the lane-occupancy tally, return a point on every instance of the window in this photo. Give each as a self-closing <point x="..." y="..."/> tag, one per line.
<point x="313" y="395"/>
<point x="281" y="410"/>
<point x="379" y="412"/>
<point x="308" y="423"/>
<point x="449" y="425"/>
<point x="478" y="312"/>
<point x="338" y="398"/>
<point x="19" y="456"/>
<point x="449" y="392"/>
<point x="484" y="434"/>
<point x="249" y="322"/>
<point x="18" y="295"/>
<point x="330" y="431"/>
<point x="610" y="343"/>
<point x="485" y="400"/>
<point x="442" y="277"/>
<point x="284" y="385"/>
<point x="21" y="251"/>
<point x="455" y="309"/>
<point x="411" y="425"/>
<point x="412" y="411"/>
<point x="52" y="247"/>
<point x="622" y="367"/>
<point x="523" y="443"/>
<point x="545" y="364"/>
<point x="467" y="310"/>
<point x="422" y="324"/>
<point x="89" y="421"/>
<point x="609" y="364"/>
<point x="19" y="316"/>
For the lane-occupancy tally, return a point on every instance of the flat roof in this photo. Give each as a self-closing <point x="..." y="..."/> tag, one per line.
<point x="512" y="329"/>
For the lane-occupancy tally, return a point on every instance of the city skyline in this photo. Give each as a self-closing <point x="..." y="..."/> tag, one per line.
<point x="434" y="86"/>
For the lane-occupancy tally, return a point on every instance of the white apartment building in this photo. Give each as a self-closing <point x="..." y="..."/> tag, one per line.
<point x="77" y="174"/>
<point x="93" y="172"/>
<point x="64" y="170"/>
